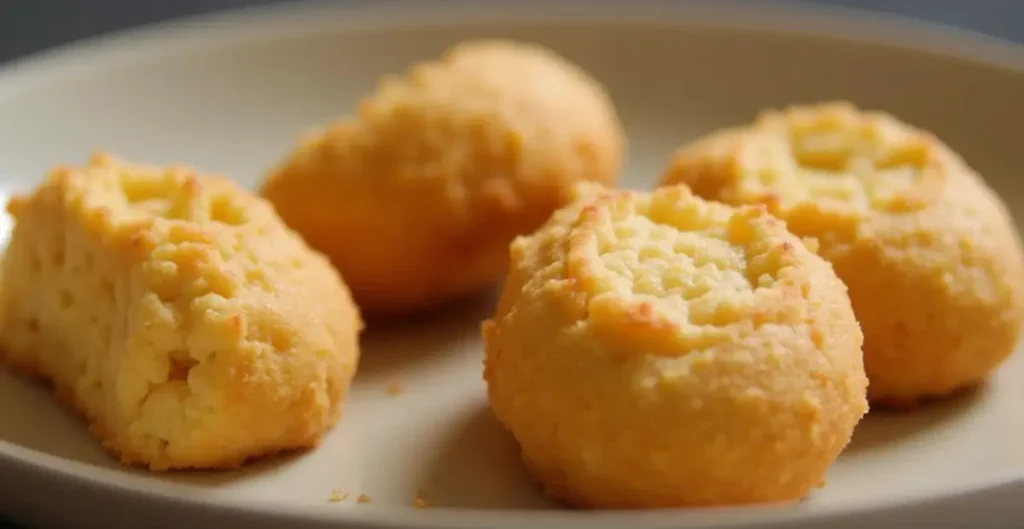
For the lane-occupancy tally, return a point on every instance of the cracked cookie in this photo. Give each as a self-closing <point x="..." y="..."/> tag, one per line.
<point x="177" y="313"/>
<point x="659" y="350"/>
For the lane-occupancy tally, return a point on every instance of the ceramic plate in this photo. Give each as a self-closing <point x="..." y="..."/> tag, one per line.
<point x="231" y="93"/>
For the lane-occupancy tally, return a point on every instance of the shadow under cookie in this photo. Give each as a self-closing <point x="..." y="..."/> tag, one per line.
<point x="478" y="467"/>
<point x="390" y="345"/>
<point x="882" y="427"/>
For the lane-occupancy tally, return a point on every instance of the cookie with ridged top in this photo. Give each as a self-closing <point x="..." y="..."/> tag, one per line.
<point x="177" y="313"/>
<point x="929" y="252"/>
<point x="659" y="350"/>
<point x="417" y="197"/>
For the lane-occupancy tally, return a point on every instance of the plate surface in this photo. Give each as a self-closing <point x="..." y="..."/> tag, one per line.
<point x="231" y="93"/>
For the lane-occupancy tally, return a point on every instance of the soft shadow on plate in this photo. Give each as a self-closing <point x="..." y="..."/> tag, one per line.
<point x="262" y="468"/>
<point x="883" y="427"/>
<point x="33" y="418"/>
<point x="478" y="467"/>
<point x="390" y="344"/>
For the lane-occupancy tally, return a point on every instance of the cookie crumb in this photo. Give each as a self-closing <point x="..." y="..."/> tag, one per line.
<point x="395" y="389"/>
<point x="420" y="502"/>
<point x="337" y="496"/>
<point x="363" y="498"/>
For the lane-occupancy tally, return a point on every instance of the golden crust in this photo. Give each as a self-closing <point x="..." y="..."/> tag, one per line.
<point x="657" y="350"/>
<point x="177" y="313"/>
<point x="929" y="253"/>
<point x="416" y="198"/>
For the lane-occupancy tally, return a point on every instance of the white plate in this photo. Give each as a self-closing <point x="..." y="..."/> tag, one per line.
<point x="231" y="93"/>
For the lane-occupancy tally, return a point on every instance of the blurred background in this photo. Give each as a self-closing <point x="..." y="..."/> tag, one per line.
<point x="30" y="25"/>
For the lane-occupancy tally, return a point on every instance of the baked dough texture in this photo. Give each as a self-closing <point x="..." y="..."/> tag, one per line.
<point x="658" y="350"/>
<point x="417" y="197"/>
<point x="930" y="254"/>
<point x="177" y="313"/>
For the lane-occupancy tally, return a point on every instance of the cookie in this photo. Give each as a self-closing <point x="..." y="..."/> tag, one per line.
<point x="177" y="313"/>
<point x="658" y="350"/>
<point x="929" y="252"/>
<point x="416" y="198"/>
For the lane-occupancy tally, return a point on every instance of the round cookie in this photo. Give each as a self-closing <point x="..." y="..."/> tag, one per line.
<point x="658" y="350"/>
<point x="417" y="197"/>
<point x="929" y="253"/>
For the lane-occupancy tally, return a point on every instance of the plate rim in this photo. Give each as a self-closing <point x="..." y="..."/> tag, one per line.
<point x="265" y="22"/>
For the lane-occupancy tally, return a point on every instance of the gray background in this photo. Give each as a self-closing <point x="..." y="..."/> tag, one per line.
<point x="28" y="26"/>
<point x="31" y="25"/>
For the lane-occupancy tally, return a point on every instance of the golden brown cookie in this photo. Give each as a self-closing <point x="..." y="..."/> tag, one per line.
<point x="658" y="350"/>
<point x="928" y="251"/>
<point x="177" y="313"/>
<point x="417" y="197"/>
